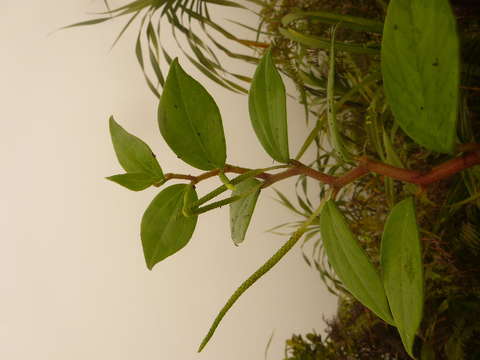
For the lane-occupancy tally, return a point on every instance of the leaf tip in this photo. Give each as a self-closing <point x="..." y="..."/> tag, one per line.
<point x="112" y="123"/>
<point x="150" y="264"/>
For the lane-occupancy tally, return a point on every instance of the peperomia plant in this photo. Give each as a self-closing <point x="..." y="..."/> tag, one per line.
<point x="420" y="68"/>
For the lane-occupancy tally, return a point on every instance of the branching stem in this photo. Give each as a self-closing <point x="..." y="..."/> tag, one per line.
<point x="364" y="167"/>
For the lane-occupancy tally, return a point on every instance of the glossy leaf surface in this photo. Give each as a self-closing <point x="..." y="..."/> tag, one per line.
<point x="402" y="270"/>
<point x="133" y="154"/>
<point x="135" y="181"/>
<point x="164" y="229"/>
<point x="268" y="111"/>
<point x="350" y="262"/>
<point x="190" y="121"/>
<point x="420" y="66"/>
<point x="241" y="211"/>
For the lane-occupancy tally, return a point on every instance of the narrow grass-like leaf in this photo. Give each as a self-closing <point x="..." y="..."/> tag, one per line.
<point x="282" y="199"/>
<point x="125" y="27"/>
<point x="87" y="22"/>
<point x="268" y="111"/>
<point x="225" y="3"/>
<point x="336" y="140"/>
<point x="317" y="42"/>
<point x="190" y="121"/>
<point x="402" y="270"/>
<point x="132" y="6"/>
<point x="327" y="17"/>
<point x="133" y="154"/>
<point x="241" y="211"/>
<point x="350" y="262"/>
<point x="135" y="181"/>
<point x="141" y="62"/>
<point x="421" y="70"/>
<point x="164" y="229"/>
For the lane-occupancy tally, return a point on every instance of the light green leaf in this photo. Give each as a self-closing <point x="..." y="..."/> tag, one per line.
<point x="164" y="229"/>
<point x="189" y="197"/>
<point x="135" y="181"/>
<point x="133" y="154"/>
<point x="268" y="111"/>
<point x="241" y="211"/>
<point x="87" y="22"/>
<point x="351" y="264"/>
<point x="402" y="270"/>
<point x="190" y="121"/>
<point x="421" y="67"/>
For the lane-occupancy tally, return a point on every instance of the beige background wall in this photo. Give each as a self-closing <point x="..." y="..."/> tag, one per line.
<point x="73" y="284"/>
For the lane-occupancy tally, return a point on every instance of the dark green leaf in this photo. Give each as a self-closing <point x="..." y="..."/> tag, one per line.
<point x="241" y="211"/>
<point x="190" y="121"/>
<point x="351" y="264"/>
<point x="317" y="42"/>
<point x="334" y="131"/>
<point x="420" y="65"/>
<point x="135" y="181"/>
<point x="164" y="229"/>
<point x="402" y="270"/>
<point x="133" y="154"/>
<point x="268" y="112"/>
<point x="328" y="17"/>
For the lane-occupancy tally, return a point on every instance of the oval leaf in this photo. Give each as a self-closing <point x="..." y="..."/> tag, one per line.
<point x="350" y="262"/>
<point x="420" y="65"/>
<point x="190" y="121"/>
<point x="164" y="229"/>
<point x="135" y="181"/>
<point x="268" y="111"/>
<point x="241" y="211"/>
<point x="402" y="270"/>
<point x="133" y="154"/>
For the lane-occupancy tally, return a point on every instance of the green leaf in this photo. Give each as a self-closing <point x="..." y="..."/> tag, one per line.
<point x="164" y="229"/>
<point x="87" y="22"/>
<point x="402" y="270"/>
<point x="135" y="181"/>
<point x="421" y="67"/>
<point x="189" y="197"/>
<point x="268" y="111"/>
<point x="190" y="121"/>
<point x="334" y="131"/>
<point x="316" y="42"/>
<point x="328" y="17"/>
<point x="133" y="154"/>
<point x="241" y="211"/>
<point x="351" y="264"/>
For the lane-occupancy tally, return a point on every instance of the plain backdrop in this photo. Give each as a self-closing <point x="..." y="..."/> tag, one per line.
<point x="73" y="282"/>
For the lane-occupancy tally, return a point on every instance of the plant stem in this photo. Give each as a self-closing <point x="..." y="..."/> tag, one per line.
<point x="364" y="167"/>
<point x="223" y="202"/>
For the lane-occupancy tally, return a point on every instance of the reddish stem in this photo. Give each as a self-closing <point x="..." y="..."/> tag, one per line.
<point x="365" y="166"/>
